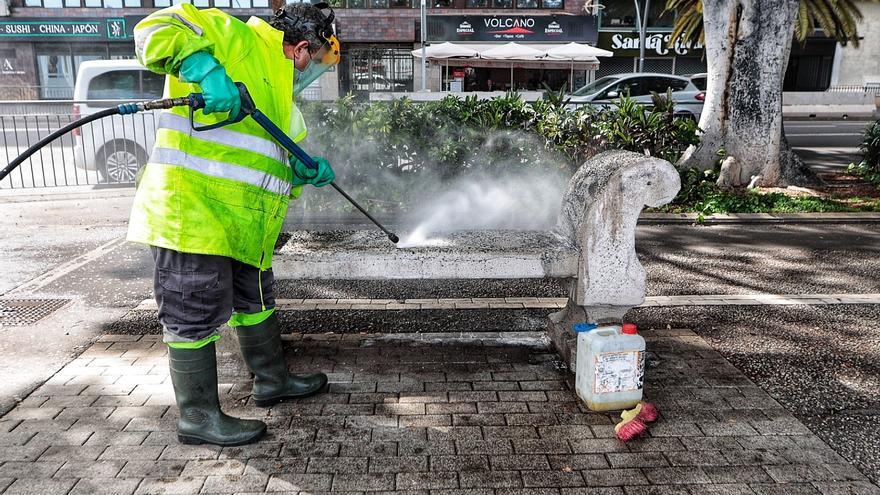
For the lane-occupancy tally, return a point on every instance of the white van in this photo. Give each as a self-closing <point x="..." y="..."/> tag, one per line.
<point x="118" y="146"/>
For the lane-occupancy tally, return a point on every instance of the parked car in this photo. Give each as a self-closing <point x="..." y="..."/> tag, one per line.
<point x="117" y="147"/>
<point x="699" y="81"/>
<point x="603" y="91"/>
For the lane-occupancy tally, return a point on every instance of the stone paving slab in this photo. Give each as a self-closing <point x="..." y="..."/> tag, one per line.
<point x="419" y="415"/>
<point x="557" y="303"/>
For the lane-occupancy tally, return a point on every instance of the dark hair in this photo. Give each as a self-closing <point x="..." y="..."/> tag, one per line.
<point x="304" y="22"/>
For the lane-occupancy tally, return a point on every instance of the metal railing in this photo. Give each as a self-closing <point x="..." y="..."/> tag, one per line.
<point x="104" y="152"/>
<point x="865" y="88"/>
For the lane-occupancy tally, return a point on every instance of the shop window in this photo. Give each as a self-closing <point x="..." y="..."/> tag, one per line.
<point x="618" y="14"/>
<point x="502" y="4"/>
<point x="477" y="4"/>
<point x="623" y="14"/>
<point x="657" y="18"/>
<point x="442" y="4"/>
<point x="553" y="4"/>
<point x="377" y="68"/>
<point x="527" y="4"/>
<point x="55" y="73"/>
<point x="109" y="4"/>
<point x="401" y="4"/>
<point x="356" y="4"/>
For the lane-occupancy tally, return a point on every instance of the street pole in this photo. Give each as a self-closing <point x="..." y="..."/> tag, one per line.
<point x="424" y="51"/>
<point x="642" y="20"/>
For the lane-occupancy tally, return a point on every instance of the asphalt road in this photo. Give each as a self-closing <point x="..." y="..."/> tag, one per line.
<point x="826" y="145"/>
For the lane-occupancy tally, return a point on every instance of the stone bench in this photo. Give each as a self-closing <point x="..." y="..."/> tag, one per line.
<point x="592" y="246"/>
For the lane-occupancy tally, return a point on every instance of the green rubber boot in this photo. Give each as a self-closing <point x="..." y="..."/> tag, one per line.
<point x="194" y="375"/>
<point x="261" y="349"/>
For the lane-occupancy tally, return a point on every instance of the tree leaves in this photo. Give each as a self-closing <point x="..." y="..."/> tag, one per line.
<point x="838" y="19"/>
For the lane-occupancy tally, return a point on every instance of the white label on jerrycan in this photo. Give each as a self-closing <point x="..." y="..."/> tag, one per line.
<point x="619" y="372"/>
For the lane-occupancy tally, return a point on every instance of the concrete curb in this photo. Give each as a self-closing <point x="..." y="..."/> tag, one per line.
<point x="556" y="302"/>
<point x="759" y="218"/>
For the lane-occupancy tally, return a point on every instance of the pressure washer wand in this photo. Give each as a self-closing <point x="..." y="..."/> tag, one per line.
<point x="304" y="157"/>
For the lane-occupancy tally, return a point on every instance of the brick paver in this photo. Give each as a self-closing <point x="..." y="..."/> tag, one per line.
<point x="424" y="414"/>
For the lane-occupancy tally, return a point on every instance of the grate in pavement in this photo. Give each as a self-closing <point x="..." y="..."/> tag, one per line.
<point x="15" y="312"/>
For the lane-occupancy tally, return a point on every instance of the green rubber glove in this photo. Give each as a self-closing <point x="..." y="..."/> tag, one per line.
<point x="220" y="93"/>
<point x="318" y="177"/>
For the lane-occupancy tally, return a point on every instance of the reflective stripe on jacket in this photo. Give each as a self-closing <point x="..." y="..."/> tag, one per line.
<point x="225" y="191"/>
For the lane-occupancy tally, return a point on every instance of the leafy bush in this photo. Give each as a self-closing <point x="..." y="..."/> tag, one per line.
<point x="653" y="130"/>
<point x="869" y="167"/>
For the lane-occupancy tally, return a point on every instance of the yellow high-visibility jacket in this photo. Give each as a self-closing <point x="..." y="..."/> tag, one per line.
<point x="224" y="191"/>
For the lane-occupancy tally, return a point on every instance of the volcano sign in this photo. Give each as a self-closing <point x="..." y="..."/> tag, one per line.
<point x="559" y="28"/>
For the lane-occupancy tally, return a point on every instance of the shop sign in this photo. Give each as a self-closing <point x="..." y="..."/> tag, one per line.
<point x="29" y="29"/>
<point x="8" y="68"/>
<point x="627" y="44"/>
<point x="560" y="28"/>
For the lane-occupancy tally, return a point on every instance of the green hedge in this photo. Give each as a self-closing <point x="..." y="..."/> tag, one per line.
<point x="869" y="167"/>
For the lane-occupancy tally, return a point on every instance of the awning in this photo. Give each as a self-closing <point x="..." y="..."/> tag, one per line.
<point x="570" y="56"/>
<point x="446" y="50"/>
<point x="512" y="51"/>
<point x="520" y="64"/>
<point x="577" y="51"/>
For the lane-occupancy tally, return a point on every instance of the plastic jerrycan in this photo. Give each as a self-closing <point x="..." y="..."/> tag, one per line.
<point x="610" y="366"/>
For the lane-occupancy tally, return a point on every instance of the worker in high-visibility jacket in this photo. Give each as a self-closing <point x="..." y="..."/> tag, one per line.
<point x="210" y="204"/>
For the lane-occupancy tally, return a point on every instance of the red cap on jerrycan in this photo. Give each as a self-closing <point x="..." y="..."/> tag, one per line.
<point x="629" y="329"/>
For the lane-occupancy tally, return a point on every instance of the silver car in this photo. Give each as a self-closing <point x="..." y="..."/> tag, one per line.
<point x="603" y="91"/>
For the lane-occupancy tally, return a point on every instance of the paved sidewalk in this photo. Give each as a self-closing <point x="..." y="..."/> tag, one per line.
<point x="418" y="415"/>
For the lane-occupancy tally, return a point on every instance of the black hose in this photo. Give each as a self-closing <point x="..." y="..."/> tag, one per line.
<point x="51" y="137"/>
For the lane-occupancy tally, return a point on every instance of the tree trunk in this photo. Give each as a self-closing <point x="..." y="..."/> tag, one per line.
<point x="748" y="43"/>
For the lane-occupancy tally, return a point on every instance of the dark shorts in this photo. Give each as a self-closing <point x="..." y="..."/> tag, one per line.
<point x="197" y="293"/>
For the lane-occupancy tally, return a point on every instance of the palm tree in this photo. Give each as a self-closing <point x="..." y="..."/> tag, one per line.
<point x="747" y="50"/>
<point x="837" y="18"/>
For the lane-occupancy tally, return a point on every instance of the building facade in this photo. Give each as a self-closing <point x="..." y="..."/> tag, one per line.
<point x="42" y="42"/>
<point x="860" y="66"/>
